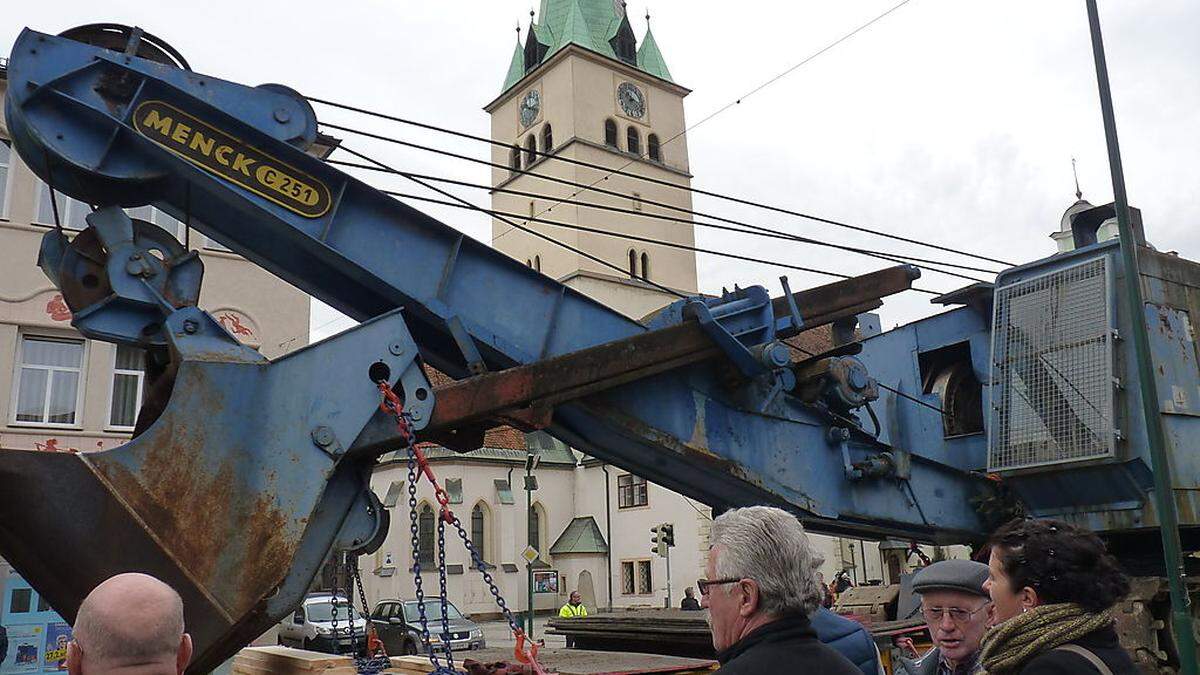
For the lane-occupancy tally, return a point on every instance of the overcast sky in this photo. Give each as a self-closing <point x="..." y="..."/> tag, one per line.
<point x="950" y="120"/>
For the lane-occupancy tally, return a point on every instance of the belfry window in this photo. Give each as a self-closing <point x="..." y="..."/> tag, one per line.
<point x="633" y="141"/>
<point x="610" y="133"/>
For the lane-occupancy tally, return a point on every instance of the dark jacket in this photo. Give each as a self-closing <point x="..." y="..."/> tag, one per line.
<point x="690" y="604"/>
<point x="788" y="645"/>
<point x="1102" y="643"/>
<point x="929" y="664"/>
<point x="850" y="638"/>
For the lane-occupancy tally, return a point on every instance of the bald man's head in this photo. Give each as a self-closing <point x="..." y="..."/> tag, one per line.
<point x="131" y="623"/>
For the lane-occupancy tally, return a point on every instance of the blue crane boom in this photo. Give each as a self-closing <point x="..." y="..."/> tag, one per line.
<point x="244" y="474"/>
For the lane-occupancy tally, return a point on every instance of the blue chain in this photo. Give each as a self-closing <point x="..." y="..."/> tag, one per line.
<point x="415" y="529"/>
<point x="487" y="576"/>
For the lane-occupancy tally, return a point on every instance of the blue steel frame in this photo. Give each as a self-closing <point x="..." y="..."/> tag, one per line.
<point x="233" y="418"/>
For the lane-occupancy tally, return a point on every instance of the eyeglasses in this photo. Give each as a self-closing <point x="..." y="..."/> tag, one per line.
<point x="957" y="614"/>
<point x="704" y="584"/>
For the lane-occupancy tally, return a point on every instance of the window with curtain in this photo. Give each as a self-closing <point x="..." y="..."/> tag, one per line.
<point x="631" y="491"/>
<point x="129" y="378"/>
<point x="48" y="375"/>
<point x="652" y="148"/>
<point x="627" y="582"/>
<point x="633" y="141"/>
<point x="425" y="535"/>
<point x="610" y="133"/>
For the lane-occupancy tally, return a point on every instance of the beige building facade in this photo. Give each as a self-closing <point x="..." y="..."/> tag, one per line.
<point x="62" y="392"/>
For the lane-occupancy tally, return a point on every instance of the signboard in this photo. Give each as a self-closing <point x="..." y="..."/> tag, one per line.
<point x="545" y="582"/>
<point x="37" y="636"/>
<point x="530" y="554"/>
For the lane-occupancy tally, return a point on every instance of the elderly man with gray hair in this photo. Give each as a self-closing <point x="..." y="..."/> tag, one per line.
<point x="131" y="624"/>
<point x="761" y="589"/>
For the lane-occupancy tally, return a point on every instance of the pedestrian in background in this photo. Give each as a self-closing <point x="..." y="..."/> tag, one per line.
<point x="761" y="589"/>
<point x="826" y="592"/>
<point x="690" y="602"/>
<point x="574" y="609"/>
<point x="955" y="608"/>
<point x="1053" y="587"/>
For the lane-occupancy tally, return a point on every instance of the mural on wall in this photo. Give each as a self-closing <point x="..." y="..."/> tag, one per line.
<point x="57" y="309"/>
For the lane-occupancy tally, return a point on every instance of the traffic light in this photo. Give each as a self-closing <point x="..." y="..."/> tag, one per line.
<point x="660" y="544"/>
<point x="668" y="533"/>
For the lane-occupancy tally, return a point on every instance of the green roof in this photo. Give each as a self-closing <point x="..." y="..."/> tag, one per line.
<point x="581" y="536"/>
<point x="650" y="59"/>
<point x="591" y="24"/>
<point x="516" y="68"/>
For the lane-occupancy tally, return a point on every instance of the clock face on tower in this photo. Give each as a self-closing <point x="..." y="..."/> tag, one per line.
<point x="530" y="106"/>
<point x="632" y="100"/>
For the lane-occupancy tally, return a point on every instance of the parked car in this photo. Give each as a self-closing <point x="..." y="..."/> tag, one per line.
<point x="398" y="625"/>
<point x="311" y="626"/>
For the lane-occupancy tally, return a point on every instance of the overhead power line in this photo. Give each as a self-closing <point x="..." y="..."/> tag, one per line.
<point x="894" y="257"/>
<point x="530" y="230"/>
<point x="746" y="228"/>
<point x="611" y="172"/>
<point x="502" y="215"/>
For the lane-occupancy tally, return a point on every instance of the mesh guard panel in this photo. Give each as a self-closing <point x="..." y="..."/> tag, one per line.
<point x="1052" y="390"/>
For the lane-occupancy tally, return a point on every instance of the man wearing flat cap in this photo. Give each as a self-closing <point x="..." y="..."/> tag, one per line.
<point x="955" y="607"/>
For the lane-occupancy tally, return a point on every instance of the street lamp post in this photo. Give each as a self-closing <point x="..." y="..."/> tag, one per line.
<point x="1168" y="521"/>
<point x="531" y="535"/>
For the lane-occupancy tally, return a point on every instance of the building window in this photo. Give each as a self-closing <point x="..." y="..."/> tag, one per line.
<point x="425" y="535"/>
<point x="633" y="142"/>
<point x="547" y="138"/>
<point x="645" y="265"/>
<point x="631" y="491"/>
<point x="454" y="490"/>
<point x="627" y="580"/>
<point x="504" y="493"/>
<point x="514" y="159"/>
<point x="537" y="263"/>
<point x="48" y="380"/>
<point x="633" y="261"/>
<point x="129" y="377"/>
<point x="393" y="493"/>
<point x="535" y="527"/>
<point x="652" y="148"/>
<point x="72" y="213"/>
<point x="21" y="602"/>
<point x="610" y="133"/>
<point x="479" y="518"/>
<point x="5" y="162"/>
<point x="645" y="584"/>
<point x="530" y="150"/>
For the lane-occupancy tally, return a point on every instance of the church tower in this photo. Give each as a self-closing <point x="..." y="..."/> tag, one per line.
<point x="581" y="87"/>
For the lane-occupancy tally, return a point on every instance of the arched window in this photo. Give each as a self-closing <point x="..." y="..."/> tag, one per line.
<point x="652" y="147"/>
<point x="537" y="263"/>
<point x="425" y="535"/>
<point x="529" y="262"/>
<point x="481" y="530"/>
<point x="530" y="150"/>
<point x="633" y="142"/>
<point x="537" y="525"/>
<point x="610" y="133"/>
<point x="645" y="265"/>
<point x="633" y="261"/>
<point x="547" y="138"/>
<point x="514" y="159"/>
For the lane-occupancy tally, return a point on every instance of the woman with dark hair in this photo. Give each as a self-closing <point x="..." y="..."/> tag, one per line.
<point x="1053" y="586"/>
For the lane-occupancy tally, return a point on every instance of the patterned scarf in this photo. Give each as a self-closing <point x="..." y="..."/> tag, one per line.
<point x="1008" y="646"/>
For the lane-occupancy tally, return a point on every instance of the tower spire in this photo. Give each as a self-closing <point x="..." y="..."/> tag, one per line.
<point x="1078" y="192"/>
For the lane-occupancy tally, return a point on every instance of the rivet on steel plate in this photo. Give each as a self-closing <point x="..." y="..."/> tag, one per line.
<point x="282" y="115"/>
<point x="322" y="436"/>
<point x="396" y="349"/>
<point x="190" y="326"/>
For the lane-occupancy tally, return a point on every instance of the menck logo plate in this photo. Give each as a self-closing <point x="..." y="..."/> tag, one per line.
<point x="237" y="162"/>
